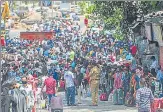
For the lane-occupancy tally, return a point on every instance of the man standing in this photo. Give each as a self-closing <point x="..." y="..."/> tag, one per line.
<point x="144" y="97"/>
<point x="86" y="22"/>
<point x="94" y="83"/>
<point x="70" y="87"/>
<point x="50" y="84"/>
<point x="27" y="88"/>
<point x="154" y="66"/>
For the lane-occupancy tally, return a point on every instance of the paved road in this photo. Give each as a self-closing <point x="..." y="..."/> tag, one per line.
<point x="103" y="107"/>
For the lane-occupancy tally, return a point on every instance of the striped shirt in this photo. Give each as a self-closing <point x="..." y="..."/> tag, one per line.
<point x="144" y="98"/>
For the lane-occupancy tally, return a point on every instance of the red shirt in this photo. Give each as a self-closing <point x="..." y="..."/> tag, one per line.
<point x="133" y="50"/>
<point x="3" y="42"/>
<point x="50" y="84"/>
<point x="85" y="21"/>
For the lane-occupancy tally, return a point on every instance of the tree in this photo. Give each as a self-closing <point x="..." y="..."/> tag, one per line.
<point x="90" y="9"/>
<point x="119" y="15"/>
<point x="83" y="6"/>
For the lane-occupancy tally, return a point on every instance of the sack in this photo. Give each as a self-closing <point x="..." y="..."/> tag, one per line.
<point x="56" y="103"/>
<point x="43" y="104"/>
<point x="103" y="97"/>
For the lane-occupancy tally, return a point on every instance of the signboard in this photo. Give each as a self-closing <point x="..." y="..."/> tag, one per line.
<point x="161" y="56"/>
<point x="36" y="35"/>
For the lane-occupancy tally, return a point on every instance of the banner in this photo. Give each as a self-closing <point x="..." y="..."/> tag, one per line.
<point x="36" y="35"/>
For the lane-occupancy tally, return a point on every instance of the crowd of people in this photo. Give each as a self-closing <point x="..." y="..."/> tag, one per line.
<point x="86" y="64"/>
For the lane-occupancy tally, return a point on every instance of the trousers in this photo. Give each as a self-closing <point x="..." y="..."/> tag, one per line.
<point x="70" y="92"/>
<point x="79" y="94"/>
<point x="49" y="97"/>
<point x="94" y="86"/>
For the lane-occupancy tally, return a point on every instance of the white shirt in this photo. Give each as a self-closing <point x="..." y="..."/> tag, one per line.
<point x="68" y="76"/>
<point x="154" y="65"/>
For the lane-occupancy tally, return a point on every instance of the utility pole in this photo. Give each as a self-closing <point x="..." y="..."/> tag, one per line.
<point x="41" y="8"/>
<point x="52" y="10"/>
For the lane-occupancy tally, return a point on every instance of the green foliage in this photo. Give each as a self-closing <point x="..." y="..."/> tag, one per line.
<point x="90" y="9"/>
<point x="83" y="6"/>
<point x="86" y="7"/>
<point x="119" y="15"/>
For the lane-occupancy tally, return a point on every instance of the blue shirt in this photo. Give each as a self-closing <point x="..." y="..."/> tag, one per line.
<point x="55" y="75"/>
<point x="73" y="64"/>
<point x="159" y="75"/>
<point x="129" y="57"/>
<point x="46" y="53"/>
<point x="82" y="70"/>
<point x="38" y="49"/>
<point x="12" y="74"/>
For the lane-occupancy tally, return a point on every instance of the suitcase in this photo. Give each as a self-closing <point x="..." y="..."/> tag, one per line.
<point x="103" y="97"/>
<point x="56" y="104"/>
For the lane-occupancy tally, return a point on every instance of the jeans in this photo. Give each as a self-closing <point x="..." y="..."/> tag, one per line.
<point x="70" y="92"/>
<point x="49" y="97"/>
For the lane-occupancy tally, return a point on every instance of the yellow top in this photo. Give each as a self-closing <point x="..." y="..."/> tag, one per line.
<point x="95" y="73"/>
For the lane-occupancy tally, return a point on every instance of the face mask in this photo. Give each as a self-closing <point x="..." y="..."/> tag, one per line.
<point x="24" y="82"/>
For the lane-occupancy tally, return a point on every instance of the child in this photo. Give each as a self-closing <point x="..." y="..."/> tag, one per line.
<point x="153" y="86"/>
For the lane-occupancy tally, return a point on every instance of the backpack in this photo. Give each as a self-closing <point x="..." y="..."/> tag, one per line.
<point x="103" y="97"/>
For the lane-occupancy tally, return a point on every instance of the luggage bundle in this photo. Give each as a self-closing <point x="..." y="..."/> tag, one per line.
<point x="103" y="97"/>
<point x="118" y="97"/>
<point x="56" y="104"/>
<point x="157" y="105"/>
<point x="129" y="100"/>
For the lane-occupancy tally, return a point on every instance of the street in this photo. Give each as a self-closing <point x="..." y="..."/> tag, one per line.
<point x="105" y="106"/>
<point x="112" y="51"/>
